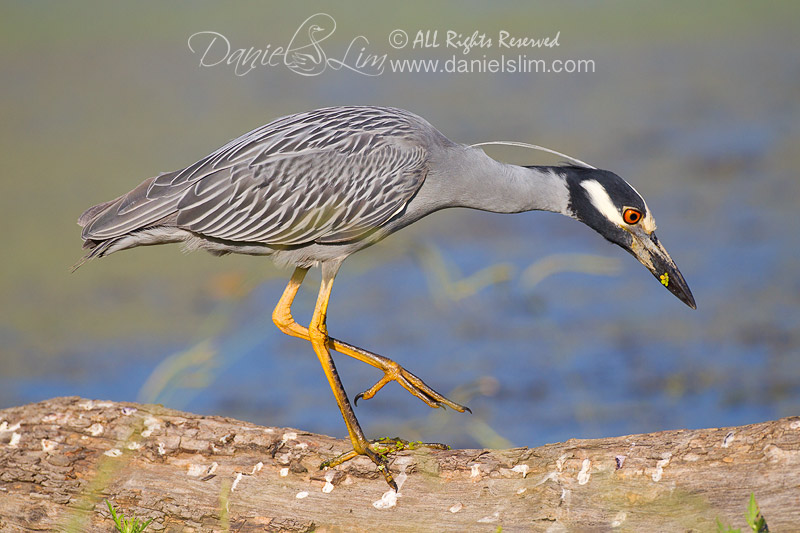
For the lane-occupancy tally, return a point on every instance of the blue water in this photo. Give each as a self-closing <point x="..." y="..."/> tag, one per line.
<point x="578" y="355"/>
<point x="706" y="125"/>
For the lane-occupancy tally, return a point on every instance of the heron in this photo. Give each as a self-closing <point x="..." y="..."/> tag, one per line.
<point x="312" y="188"/>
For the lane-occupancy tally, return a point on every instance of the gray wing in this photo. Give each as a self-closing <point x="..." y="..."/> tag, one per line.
<point x="326" y="176"/>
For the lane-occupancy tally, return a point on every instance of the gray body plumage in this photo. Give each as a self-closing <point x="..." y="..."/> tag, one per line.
<point x="316" y="187"/>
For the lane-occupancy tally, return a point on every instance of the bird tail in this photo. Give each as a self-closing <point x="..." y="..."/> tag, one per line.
<point x="96" y="249"/>
<point x="105" y="225"/>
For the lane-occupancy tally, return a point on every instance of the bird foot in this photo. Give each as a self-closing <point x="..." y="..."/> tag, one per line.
<point x="394" y="372"/>
<point x="387" y="445"/>
<point x="378" y="450"/>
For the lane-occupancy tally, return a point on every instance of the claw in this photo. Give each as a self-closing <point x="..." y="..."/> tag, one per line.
<point x="393" y="372"/>
<point x="383" y="467"/>
<point x="379" y="459"/>
<point x="412" y="384"/>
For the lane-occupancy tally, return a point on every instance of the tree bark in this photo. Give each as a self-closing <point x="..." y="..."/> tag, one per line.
<point x="61" y="458"/>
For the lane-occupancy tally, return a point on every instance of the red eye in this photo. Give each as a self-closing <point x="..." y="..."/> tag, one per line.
<point x="632" y="216"/>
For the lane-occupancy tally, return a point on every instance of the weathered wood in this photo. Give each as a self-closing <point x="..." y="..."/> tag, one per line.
<point x="60" y="459"/>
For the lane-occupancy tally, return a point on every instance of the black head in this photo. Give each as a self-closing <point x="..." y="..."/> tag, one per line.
<point x="600" y="199"/>
<point x="612" y="207"/>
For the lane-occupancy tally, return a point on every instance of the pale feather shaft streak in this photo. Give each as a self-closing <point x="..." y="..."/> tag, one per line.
<point x="329" y="175"/>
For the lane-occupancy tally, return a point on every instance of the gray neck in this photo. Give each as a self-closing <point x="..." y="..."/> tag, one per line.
<point x="472" y="179"/>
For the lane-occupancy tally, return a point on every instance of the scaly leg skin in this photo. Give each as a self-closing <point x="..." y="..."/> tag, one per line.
<point x="282" y="316"/>
<point x="392" y="371"/>
<point x="317" y="334"/>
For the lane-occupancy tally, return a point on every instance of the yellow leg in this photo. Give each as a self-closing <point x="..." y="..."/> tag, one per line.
<point x="318" y="335"/>
<point x="392" y="371"/>
<point x="282" y="316"/>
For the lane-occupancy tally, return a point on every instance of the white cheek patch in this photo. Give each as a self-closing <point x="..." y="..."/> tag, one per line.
<point x="602" y="201"/>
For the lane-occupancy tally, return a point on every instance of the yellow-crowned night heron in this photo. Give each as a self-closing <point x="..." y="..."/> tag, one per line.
<point x="312" y="188"/>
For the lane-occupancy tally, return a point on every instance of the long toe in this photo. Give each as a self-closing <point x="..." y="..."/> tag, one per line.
<point x="415" y="386"/>
<point x="378" y="451"/>
<point x="383" y="467"/>
<point x="378" y="458"/>
<point x="388" y="445"/>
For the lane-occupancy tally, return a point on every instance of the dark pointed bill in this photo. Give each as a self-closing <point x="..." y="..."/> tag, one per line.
<point x="655" y="258"/>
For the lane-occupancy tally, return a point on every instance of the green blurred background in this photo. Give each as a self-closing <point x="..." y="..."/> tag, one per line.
<point x="697" y="104"/>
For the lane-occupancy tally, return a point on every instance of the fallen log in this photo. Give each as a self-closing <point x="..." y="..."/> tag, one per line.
<point x="61" y="458"/>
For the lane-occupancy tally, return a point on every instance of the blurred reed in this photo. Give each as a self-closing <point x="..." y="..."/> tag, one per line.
<point x="185" y="374"/>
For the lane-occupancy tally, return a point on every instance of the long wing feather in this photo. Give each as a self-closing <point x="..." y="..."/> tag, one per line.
<point x="327" y="176"/>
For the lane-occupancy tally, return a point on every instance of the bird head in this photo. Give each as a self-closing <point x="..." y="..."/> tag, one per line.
<point x="612" y="207"/>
